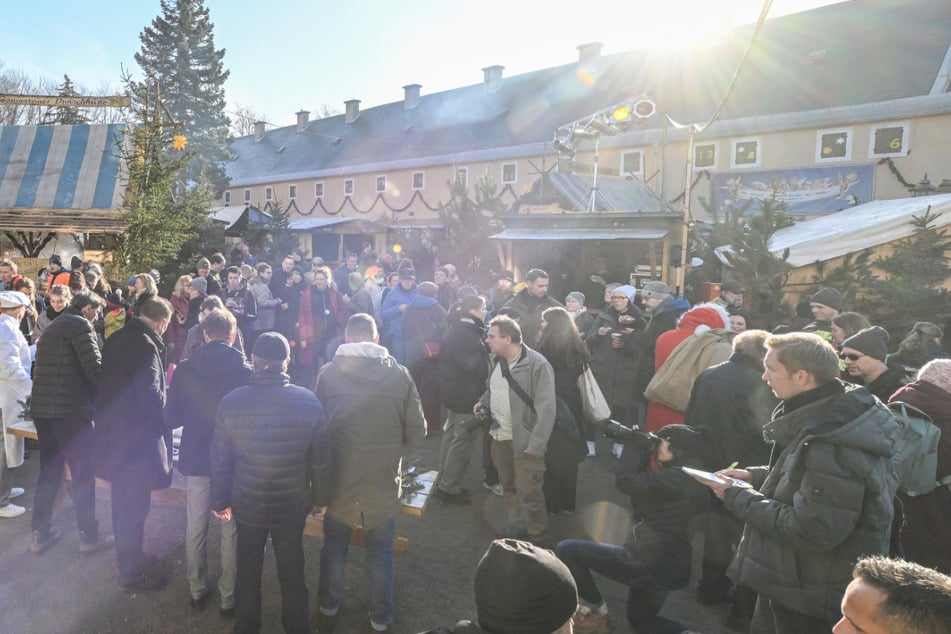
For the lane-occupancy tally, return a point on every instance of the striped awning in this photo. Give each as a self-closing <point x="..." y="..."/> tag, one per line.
<point x="66" y="178"/>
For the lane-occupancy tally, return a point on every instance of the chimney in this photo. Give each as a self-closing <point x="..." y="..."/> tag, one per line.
<point x="493" y="77"/>
<point x="589" y="52"/>
<point x="303" y="117"/>
<point x="259" y="130"/>
<point x="410" y="96"/>
<point x="353" y="110"/>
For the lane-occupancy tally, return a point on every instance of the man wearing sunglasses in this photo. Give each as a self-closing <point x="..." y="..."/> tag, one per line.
<point x="864" y="356"/>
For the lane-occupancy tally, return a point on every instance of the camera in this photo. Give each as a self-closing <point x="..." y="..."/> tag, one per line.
<point x="622" y="433"/>
<point x="482" y="417"/>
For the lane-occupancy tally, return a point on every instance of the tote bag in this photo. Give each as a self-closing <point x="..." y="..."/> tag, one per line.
<point x="593" y="403"/>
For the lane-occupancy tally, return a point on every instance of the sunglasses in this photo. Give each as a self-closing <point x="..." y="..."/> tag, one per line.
<point x="851" y="357"/>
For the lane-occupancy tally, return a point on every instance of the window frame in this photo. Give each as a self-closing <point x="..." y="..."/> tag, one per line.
<point x="464" y="171"/>
<point x="640" y="170"/>
<point x="514" y="178"/>
<point x="377" y="183"/>
<point x="716" y="157"/>
<point x="319" y="190"/>
<point x="349" y="187"/>
<point x="422" y="181"/>
<point x="292" y="191"/>
<point x="759" y="152"/>
<point x="849" y="133"/>
<point x="247" y="196"/>
<point x="906" y="139"/>
<point x="227" y="197"/>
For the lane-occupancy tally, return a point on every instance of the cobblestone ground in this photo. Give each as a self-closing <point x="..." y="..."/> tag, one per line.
<point x="63" y="592"/>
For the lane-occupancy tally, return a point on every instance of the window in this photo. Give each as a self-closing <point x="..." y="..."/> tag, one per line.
<point x="746" y="153"/>
<point x="348" y="187"/>
<point x="292" y="191"/>
<point x="247" y="195"/>
<point x="228" y="197"/>
<point x="318" y="190"/>
<point x="509" y="173"/>
<point x="891" y="139"/>
<point x="705" y="156"/>
<point x="632" y="163"/>
<point x="380" y="184"/>
<point x="268" y="193"/>
<point x="462" y="176"/>
<point x="833" y="145"/>
<point x="419" y="180"/>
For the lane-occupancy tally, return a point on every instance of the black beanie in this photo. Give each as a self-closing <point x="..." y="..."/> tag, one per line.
<point x="872" y="341"/>
<point x="684" y="440"/>
<point x="828" y="297"/>
<point x="272" y="346"/>
<point x="523" y="589"/>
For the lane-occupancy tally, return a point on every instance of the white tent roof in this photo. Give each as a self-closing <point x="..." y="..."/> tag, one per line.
<point x="853" y="229"/>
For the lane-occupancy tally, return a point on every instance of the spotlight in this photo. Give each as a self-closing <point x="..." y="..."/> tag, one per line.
<point x="584" y="133"/>
<point x="563" y="147"/>
<point x="644" y="108"/>
<point x="603" y="127"/>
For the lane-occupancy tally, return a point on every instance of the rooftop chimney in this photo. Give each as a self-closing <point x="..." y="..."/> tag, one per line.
<point x="410" y="96"/>
<point x="493" y="77"/>
<point x="303" y="117"/>
<point x="589" y="52"/>
<point x="259" y="130"/>
<point x="353" y="110"/>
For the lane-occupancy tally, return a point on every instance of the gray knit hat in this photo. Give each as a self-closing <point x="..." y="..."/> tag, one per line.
<point x="578" y="296"/>
<point x="655" y="288"/>
<point x="828" y="297"/>
<point x="200" y="284"/>
<point x="872" y="341"/>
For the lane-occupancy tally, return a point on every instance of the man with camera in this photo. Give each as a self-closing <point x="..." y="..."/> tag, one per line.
<point x="656" y="560"/>
<point x="824" y="499"/>
<point x="521" y="398"/>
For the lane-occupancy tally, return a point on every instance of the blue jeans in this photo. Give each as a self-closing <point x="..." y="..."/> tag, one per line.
<point x="381" y="568"/>
<point x="644" y="599"/>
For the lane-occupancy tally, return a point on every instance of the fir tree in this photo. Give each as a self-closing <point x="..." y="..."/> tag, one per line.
<point x="66" y="115"/>
<point x="178" y="51"/>
<point x="469" y="223"/>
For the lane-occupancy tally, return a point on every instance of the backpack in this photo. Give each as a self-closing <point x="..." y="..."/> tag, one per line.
<point x="916" y="453"/>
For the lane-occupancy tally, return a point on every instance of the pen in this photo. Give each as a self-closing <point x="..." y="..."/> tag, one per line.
<point x="732" y="466"/>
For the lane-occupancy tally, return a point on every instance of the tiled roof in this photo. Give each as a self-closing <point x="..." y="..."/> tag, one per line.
<point x="858" y="52"/>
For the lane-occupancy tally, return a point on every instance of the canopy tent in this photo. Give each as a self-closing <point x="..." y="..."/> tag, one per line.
<point x="62" y="178"/>
<point x="239" y="218"/>
<point x="851" y="230"/>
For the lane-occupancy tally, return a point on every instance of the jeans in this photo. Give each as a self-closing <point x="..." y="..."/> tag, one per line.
<point x="198" y="513"/>
<point x="522" y="477"/>
<point x="288" y="543"/>
<point x="130" y="506"/>
<point x="644" y="599"/>
<point x="381" y="568"/>
<point x="455" y="452"/>
<point x="66" y="441"/>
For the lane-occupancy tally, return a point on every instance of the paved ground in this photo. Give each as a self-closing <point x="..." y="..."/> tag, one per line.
<point x="62" y="592"/>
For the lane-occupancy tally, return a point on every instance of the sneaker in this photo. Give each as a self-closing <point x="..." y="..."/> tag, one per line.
<point x="494" y="489"/>
<point x="11" y="510"/>
<point x="452" y="498"/>
<point x="42" y="541"/>
<point x="146" y="582"/>
<point x="379" y="627"/>
<point x="16" y="492"/>
<point x="88" y="547"/>
<point x="591" y="451"/>
<point x="587" y="620"/>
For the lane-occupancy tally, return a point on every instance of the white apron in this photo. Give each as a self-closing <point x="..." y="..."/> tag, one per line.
<point x="15" y="384"/>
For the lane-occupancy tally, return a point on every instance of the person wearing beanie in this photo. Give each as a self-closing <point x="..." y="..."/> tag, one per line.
<point x="57" y="274"/>
<point x="574" y="304"/>
<point x="267" y="483"/>
<point x="658" y="558"/>
<point x="394" y="304"/>
<point x="731" y="296"/>
<point x="825" y="305"/>
<point x="929" y="515"/>
<point x="502" y="292"/>
<point x="864" y="356"/>
<point x="664" y="311"/>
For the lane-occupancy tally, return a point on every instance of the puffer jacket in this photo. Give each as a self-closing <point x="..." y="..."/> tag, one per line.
<point x="200" y="382"/>
<point x="825" y="501"/>
<point x="463" y="365"/>
<point x="66" y="369"/>
<point x="373" y="409"/>
<point x="268" y="452"/>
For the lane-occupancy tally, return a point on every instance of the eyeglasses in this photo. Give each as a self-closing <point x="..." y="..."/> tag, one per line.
<point x="851" y="357"/>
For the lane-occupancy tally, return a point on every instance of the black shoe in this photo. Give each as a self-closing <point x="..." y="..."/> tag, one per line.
<point x="453" y="498"/>
<point x="228" y="613"/>
<point x="87" y="547"/>
<point x="145" y="582"/>
<point x="200" y="602"/>
<point x="42" y="541"/>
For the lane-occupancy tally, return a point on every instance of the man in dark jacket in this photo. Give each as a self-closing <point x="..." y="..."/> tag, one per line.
<point x="239" y="299"/>
<point x="134" y="448"/>
<point x="267" y="467"/>
<point x="826" y="496"/>
<point x="530" y="303"/>
<point x="732" y="401"/>
<point x="424" y="324"/>
<point x="463" y="370"/>
<point x="864" y="355"/>
<point x="373" y="409"/>
<point x="200" y="383"/>
<point x="65" y="377"/>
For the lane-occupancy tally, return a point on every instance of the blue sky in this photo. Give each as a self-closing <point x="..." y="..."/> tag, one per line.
<point x="285" y="55"/>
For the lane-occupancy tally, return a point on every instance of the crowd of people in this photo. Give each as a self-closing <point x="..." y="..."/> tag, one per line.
<point x="265" y="371"/>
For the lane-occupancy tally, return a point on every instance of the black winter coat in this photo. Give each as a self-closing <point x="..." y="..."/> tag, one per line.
<point x="530" y="309"/>
<point x="616" y="369"/>
<point x="663" y="503"/>
<point x="131" y="439"/>
<point x="733" y="402"/>
<point x="200" y="382"/>
<point x="67" y="367"/>
<point x="268" y="452"/>
<point x="463" y="365"/>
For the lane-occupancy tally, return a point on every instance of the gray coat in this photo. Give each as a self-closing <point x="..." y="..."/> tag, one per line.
<point x="826" y="500"/>
<point x="266" y="304"/>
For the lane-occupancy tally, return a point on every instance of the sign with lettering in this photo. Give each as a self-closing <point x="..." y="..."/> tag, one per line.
<point x="116" y="101"/>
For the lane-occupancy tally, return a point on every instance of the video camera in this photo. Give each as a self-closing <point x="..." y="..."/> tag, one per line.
<point x="622" y="433"/>
<point x="482" y="417"/>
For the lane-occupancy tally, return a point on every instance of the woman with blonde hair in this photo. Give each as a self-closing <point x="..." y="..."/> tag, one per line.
<point x="175" y="334"/>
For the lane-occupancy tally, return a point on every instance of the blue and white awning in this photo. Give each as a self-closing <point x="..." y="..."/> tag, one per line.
<point x="61" y="178"/>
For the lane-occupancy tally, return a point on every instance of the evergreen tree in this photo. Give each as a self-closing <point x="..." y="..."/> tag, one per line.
<point x="178" y="51"/>
<point x="469" y="223"/>
<point x="66" y="115"/>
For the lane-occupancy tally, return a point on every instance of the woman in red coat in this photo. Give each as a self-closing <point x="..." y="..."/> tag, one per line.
<point x="695" y="321"/>
<point x="323" y="316"/>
